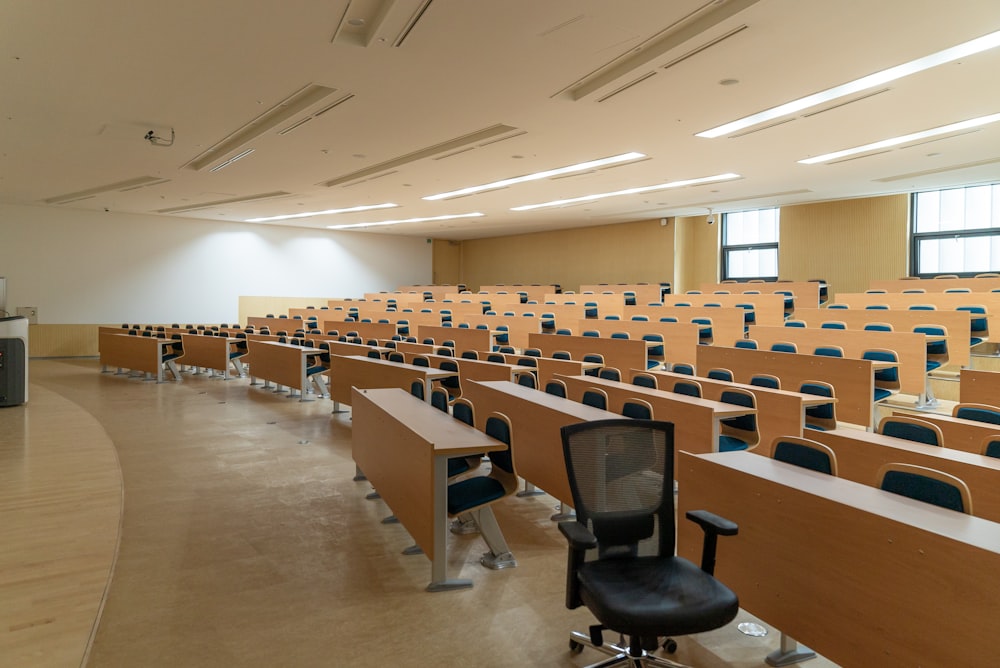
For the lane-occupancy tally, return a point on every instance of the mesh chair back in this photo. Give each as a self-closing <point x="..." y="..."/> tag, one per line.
<point x="619" y="472"/>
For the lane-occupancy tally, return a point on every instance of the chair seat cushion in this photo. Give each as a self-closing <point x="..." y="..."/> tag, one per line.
<point x="730" y="444"/>
<point x="881" y="394"/>
<point x="933" y="365"/>
<point x="472" y="493"/>
<point x="457" y="465"/>
<point x="975" y="341"/>
<point x="655" y="596"/>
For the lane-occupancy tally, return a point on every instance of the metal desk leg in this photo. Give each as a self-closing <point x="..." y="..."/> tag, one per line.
<point x="439" y="564"/>
<point x="789" y="652"/>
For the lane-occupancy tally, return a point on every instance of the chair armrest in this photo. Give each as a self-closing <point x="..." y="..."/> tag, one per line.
<point x="578" y="535"/>
<point x="713" y="526"/>
<point x="712" y="522"/>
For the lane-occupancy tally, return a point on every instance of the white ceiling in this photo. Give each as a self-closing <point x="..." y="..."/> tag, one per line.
<point x="83" y="81"/>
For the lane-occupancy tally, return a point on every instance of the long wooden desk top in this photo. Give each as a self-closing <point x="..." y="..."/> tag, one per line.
<point x="853" y="380"/>
<point x="936" y="284"/>
<point x="536" y="418"/>
<point x="696" y="421"/>
<point x="347" y="371"/>
<point x="857" y="574"/>
<point x="779" y="412"/>
<point x="860" y="455"/>
<point x="910" y="348"/>
<point x="769" y="309"/>
<point x="943" y="300"/>
<point x="619" y="353"/>
<point x="959" y="434"/>
<point x="395" y="439"/>
<point x="979" y="387"/>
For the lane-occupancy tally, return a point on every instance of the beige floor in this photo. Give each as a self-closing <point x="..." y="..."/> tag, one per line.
<point x="245" y="542"/>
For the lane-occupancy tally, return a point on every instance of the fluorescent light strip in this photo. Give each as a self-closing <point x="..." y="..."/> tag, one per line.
<point x="895" y="141"/>
<point x="969" y="48"/>
<point x="631" y="191"/>
<point x="309" y="214"/>
<point x="233" y="159"/>
<point x="583" y="166"/>
<point x="408" y="220"/>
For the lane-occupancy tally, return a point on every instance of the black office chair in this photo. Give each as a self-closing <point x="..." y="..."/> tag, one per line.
<point x="621" y="476"/>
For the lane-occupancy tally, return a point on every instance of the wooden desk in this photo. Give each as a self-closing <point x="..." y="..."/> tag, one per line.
<point x="368" y="373"/>
<point x="979" y="387"/>
<point x="623" y="354"/>
<point x="281" y="363"/>
<point x="208" y="352"/>
<point x="862" y="576"/>
<point x="536" y="418"/>
<point x="366" y="330"/>
<point x="534" y="292"/>
<point x="959" y="434"/>
<point x="680" y="339"/>
<point x="518" y="327"/>
<point x="806" y="292"/>
<point x="613" y="303"/>
<point x="469" y="370"/>
<point x="696" y="421"/>
<point x="645" y="293"/>
<point x="727" y="321"/>
<point x="779" y="412"/>
<point x="278" y="324"/>
<point x="853" y="380"/>
<point x="403" y="445"/>
<point x="138" y="353"/>
<point x="343" y="347"/>
<point x="910" y="348"/>
<point x="465" y="339"/>
<point x="860" y="455"/>
<point x="945" y="301"/>
<point x="769" y="309"/>
<point x="958" y="324"/>
<point x="936" y="284"/>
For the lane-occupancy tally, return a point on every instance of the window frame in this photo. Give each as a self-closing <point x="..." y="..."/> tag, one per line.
<point x="916" y="237"/>
<point x="725" y="249"/>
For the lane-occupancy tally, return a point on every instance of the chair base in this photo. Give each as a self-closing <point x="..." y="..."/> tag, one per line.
<point x="789" y="652"/>
<point x="463" y="527"/>
<point x="619" y="655"/>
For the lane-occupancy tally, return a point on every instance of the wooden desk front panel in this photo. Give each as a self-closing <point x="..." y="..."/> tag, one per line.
<point x="138" y="353"/>
<point x="366" y="330"/>
<point x="367" y="373"/>
<point x="727" y="322"/>
<point x="979" y="387"/>
<point x="277" y="362"/>
<point x="853" y="380"/>
<point x="342" y="347"/>
<point x="549" y="368"/>
<point x="519" y="327"/>
<point x="857" y="574"/>
<point x="910" y="348"/>
<point x="498" y="300"/>
<point x="959" y="434"/>
<point x="957" y="323"/>
<point x="536" y="418"/>
<point x="937" y="284"/>
<point x="806" y="292"/>
<point x="680" y="339"/>
<point x="945" y="301"/>
<point x="694" y="421"/>
<point x="209" y="352"/>
<point x="399" y="463"/>
<point x="305" y="313"/>
<point x="535" y="292"/>
<point x="645" y="293"/>
<point x="779" y="413"/>
<point x="613" y="303"/>
<point x="769" y="309"/>
<point x="623" y="354"/>
<point x="277" y="324"/>
<point x="437" y="291"/>
<point x="465" y="339"/>
<point x="415" y="319"/>
<point x="860" y="455"/>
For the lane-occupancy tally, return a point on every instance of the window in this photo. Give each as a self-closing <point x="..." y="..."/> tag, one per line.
<point x="750" y="245"/>
<point x="956" y="231"/>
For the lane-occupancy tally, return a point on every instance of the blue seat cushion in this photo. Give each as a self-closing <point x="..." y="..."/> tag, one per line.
<point x="815" y="427"/>
<point x="473" y="492"/>
<point x="731" y="444"/>
<point x="457" y="465"/>
<point x="881" y="394"/>
<point x="932" y="365"/>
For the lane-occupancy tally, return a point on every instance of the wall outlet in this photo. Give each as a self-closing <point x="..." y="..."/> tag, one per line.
<point x="29" y="312"/>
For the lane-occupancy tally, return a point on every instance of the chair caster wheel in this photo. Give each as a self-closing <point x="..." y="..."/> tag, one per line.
<point x="575" y="647"/>
<point x="670" y="645"/>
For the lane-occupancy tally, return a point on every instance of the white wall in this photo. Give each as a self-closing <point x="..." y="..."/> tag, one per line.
<point x="92" y="267"/>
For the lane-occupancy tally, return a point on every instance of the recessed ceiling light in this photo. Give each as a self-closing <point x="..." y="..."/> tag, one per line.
<point x="904" y="139"/>
<point x="309" y="214"/>
<point x="407" y="220"/>
<point x="580" y="167"/>
<point x="977" y="45"/>
<point x="630" y="191"/>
